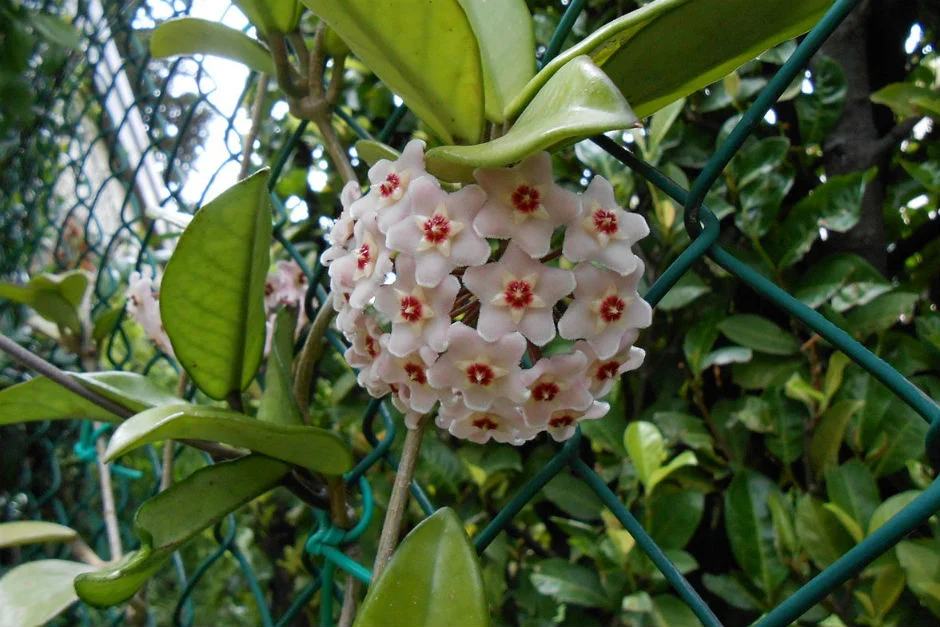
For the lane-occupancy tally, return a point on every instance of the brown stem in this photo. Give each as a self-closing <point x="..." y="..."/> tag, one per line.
<point x="555" y="254"/>
<point x="336" y="79"/>
<point x="399" y="499"/>
<point x="297" y="42"/>
<point x="257" y="110"/>
<point x="108" y="509"/>
<point x="317" y="59"/>
<point x="333" y="145"/>
<point x="309" y="354"/>
<point x="465" y="307"/>
<point x="84" y="553"/>
<point x="287" y="77"/>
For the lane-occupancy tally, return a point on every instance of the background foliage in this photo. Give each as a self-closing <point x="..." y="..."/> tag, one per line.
<point x="753" y="453"/>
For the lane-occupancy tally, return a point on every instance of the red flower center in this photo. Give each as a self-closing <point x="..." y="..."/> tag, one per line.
<point x="363" y="257"/>
<point x="611" y="308"/>
<point x="605" y="221"/>
<point x="485" y="423"/>
<point x="480" y="374"/>
<point x="518" y="294"/>
<point x="565" y="420"/>
<point x="390" y="185"/>
<point x="436" y="229"/>
<point x="607" y="371"/>
<point x="370" y="347"/>
<point x="545" y="391"/>
<point x="416" y="373"/>
<point x="268" y="290"/>
<point x="411" y="309"/>
<point x="526" y="199"/>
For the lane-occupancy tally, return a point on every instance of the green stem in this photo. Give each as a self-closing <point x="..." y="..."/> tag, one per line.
<point x="309" y="354"/>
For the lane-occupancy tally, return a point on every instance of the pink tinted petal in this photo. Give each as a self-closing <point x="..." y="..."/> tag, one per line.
<point x="469" y="249"/>
<point x="537" y="326"/>
<point x="576" y="321"/>
<point x="555" y="284"/>
<point x="492" y="221"/>
<point x="494" y="323"/>
<point x="562" y="204"/>
<point x="431" y="269"/>
<point x="535" y="238"/>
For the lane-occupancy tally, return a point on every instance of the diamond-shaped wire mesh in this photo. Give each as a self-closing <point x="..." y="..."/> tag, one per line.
<point x="124" y="139"/>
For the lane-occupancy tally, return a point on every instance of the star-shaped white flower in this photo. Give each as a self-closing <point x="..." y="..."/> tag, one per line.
<point x="606" y="305"/>
<point x="438" y="231"/>
<point x="555" y="383"/>
<point x="602" y="231"/>
<point x="481" y="370"/>
<point x="410" y="375"/>
<point x="144" y="307"/>
<point x="420" y="315"/>
<point x="602" y="373"/>
<point x="525" y="204"/>
<point x="562" y="423"/>
<point x="391" y="181"/>
<point x="502" y="422"/>
<point x="517" y="293"/>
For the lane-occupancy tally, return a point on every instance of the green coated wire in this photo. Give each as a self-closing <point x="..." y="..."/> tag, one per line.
<point x="562" y="31"/>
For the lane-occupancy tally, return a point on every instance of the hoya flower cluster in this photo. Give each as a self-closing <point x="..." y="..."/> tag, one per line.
<point x="513" y="302"/>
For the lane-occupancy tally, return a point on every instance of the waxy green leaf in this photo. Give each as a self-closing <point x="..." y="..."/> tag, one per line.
<point x="890" y="508"/>
<point x="670" y="48"/>
<point x="820" y="532"/>
<point x="33" y="531"/>
<point x="310" y="447"/>
<point x="852" y="487"/>
<point x="212" y="294"/>
<point x="760" y="334"/>
<point x="432" y="579"/>
<point x="54" y="297"/>
<point x="674" y="516"/>
<point x="579" y="101"/>
<point x="32" y="594"/>
<point x="909" y="100"/>
<point x="424" y="51"/>
<point x="187" y="36"/>
<point x="646" y="448"/>
<point x="750" y="529"/>
<point x="503" y="30"/>
<point x="166" y="521"/>
<point x="570" y="583"/>
<point x="279" y="16"/>
<point x="372" y="151"/>
<point x="278" y="403"/>
<point x="44" y="399"/>
<point x="829" y="434"/>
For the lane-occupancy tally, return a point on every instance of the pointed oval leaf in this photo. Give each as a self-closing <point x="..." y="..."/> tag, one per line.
<point x="54" y="297"/>
<point x="166" y="521"/>
<point x="372" y="151"/>
<point x="759" y="333"/>
<point x="829" y="435"/>
<point x="33" y="531"/>
<point x="570" y="583"/>
<point x="424" y="51"/>
<point x="280" y="16"/>
<point x="186" y="36"/>
<point x="33" y="594"/>
<point x="433" y="579"/>
<point x="847" y="522"/>
<point x="278" y="403"/>
<point x="212" y="295"/>
<point x="683" y="459"/>
<point x="820" y="532"/>
<point x="750" y="529"/>
<point x="674" y="516"/>
<point x="890" y="508"/>
<point x="646" y="448"/>
<point x="310" y="447"/>
<point x="43" y="399"/>
<point x="503" y="30"/>
<point x="579" y="101"/>
<point x="670" y="48"/>
<point x="852" y="487"/>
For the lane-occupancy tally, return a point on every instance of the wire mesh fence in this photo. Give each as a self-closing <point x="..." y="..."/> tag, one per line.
<point x="127" y="140"/>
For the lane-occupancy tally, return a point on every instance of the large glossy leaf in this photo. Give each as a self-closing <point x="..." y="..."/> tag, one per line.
<point x="750" y="529"/>
<point x="432" y="579"/>
<point x="32" y="594"/>
<point x="852" y="487"/>
<point x="909" y="100"/>
<point x="579" y="101"/>
<point x="671" y="611"/>
<point x="760" y="334"/>
<point x="646" y="448"/>
<point x="827" y="437"/>
<point x="570" y="583"/>
<point x="920" y="560"/>
<point x="890" y="508"/>
<point x="834" y="205"/>
<point x="674" y="517"/>
<point x="670" y="48"/>
<point x="819" y="111"/>
<point x="882" y="313"/>
<point x="192" y="35"/>
<point x="311" y="447"/>
<point x="278" y="403"/>
<point x="683" y="459"/>
<point x="845" y="280"/>
<point x="424" y="51"/>
<point x="503" y="30"/>
<point x="280" y="16"/>
<point x="820" y="532"/>
<point x="44" y="399"/>
<point x="54" y="297"/>
<point x="212" y="294"/>
<point x="33" y="531"/>
<point x="166" y="521"/>
<point x="573" y="497"/>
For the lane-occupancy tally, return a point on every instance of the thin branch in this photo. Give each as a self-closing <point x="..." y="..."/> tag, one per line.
<point x="336" y="79"/>
<point x="257" y="110"/>
<point x="893" y="137"/>
<point x="398" y="501"/>
<point x="297" y="42"/>
<point x="287" y="77"/>
<point x="309" y="354"/>
<point x="333" y="145"/>
<point x="84" y="553"/>
<point x="108" y="509"/>
<point x="316" y="60"/>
